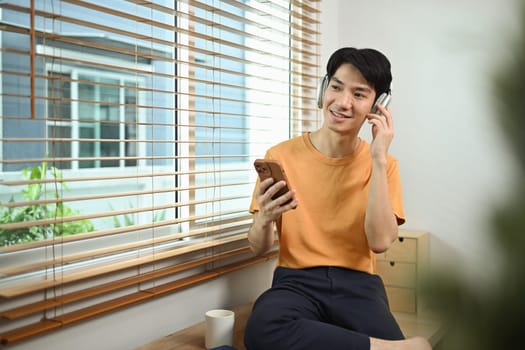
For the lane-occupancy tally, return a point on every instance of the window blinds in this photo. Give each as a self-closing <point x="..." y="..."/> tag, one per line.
<point x="128" y="133"/>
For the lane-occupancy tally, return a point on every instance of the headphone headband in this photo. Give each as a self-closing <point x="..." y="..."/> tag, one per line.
<point x="323" y="85"/>
<point x="321" y="89"/>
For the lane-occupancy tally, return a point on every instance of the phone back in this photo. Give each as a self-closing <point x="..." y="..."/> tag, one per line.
<point x="271" y="168"/>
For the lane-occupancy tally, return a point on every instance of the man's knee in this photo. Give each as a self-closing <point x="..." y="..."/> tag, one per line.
<point x="256" y="334"/>
<point x="267" y="328"/>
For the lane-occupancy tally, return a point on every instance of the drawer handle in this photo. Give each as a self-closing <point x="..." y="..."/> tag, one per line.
<point x="392" y="263"/>
<point x="401" y="239"/>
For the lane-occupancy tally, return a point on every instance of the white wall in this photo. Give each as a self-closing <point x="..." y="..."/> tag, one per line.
<point x="454" y="161"/>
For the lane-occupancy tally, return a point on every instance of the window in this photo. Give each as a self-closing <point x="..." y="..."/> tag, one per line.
<point x="128" y="133"/>
<point x="104" y="111"/>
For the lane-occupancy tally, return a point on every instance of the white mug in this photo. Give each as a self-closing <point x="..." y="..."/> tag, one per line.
<point x="219" y="328"/>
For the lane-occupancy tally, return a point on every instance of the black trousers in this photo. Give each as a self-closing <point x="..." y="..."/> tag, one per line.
<point x="321" y="308"/>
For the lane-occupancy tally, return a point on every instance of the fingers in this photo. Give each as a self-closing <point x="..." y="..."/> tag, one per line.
<point x="263" y="186"/>
<point x="287" y="201"/>
<point x="382" y="119"/>
<point x="381" y="122"/>
<point x="387" y="116"/>
<point x="274" y="207"/>
<point x="382" y="132"/>
<point x="268" y="189"/>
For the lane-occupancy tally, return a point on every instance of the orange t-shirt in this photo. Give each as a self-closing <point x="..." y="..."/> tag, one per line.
<point x="328" y="226"/>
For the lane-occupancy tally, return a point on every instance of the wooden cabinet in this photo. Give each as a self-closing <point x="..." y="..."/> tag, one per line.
<point x="402" y="268"/>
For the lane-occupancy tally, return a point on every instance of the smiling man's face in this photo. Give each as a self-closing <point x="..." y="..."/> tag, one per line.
<point x="347" y="100"/>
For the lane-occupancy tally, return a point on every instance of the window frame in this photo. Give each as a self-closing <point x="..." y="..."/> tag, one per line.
<point x="74" y="73"/>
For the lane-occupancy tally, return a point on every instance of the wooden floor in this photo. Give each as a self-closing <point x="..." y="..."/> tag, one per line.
<point x="192" y="338"/>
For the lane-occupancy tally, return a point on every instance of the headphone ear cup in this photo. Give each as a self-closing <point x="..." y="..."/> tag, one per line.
<point x="321" y="89"/>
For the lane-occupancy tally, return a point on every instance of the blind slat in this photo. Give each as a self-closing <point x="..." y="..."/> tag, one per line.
<point x="26" y="310"/>
<point x="65" y="278"/>
<point x="117" y="231"/>
<point x="134" y="52"/>
<point x="119" y="177"/>
<point x="151" y="242"/>
<point x="65" y="219"/>
<point x="124" y="194"/>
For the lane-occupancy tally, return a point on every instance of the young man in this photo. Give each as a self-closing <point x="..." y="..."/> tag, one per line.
<point x="344" y="206"/>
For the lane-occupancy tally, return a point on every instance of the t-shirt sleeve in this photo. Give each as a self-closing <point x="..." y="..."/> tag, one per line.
<point x="396" y="193"/>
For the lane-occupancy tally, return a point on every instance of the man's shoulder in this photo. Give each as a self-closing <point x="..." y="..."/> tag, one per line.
<point x="292" y="143"/>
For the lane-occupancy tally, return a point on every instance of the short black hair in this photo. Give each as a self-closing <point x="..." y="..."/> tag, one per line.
<point x="373" y="65"/>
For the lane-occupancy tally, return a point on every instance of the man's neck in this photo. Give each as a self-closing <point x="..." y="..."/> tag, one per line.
<point x="334" y="145"/>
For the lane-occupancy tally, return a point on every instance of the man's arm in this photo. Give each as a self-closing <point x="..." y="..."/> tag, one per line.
<point x="261" y="235"/>
<point x="380" y="222"/>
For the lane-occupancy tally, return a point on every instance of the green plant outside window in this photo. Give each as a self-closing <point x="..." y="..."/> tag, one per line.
<point x="39" y="211"/>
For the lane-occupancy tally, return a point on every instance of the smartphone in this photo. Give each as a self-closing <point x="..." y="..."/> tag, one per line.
<point x="383" y="100"/>
<point x="271" y="168"/>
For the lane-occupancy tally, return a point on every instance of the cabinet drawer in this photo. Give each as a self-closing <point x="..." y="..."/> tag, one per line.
<point x="401" y="299"/>
<point x="397" y="274"/>
<point x="403" y="249"/>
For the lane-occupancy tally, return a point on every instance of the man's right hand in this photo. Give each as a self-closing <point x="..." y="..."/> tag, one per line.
<point x="261" y="234"/>
<point x="271" y="209"/>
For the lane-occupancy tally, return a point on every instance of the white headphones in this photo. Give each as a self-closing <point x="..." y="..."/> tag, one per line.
<point x="384" y="99"/>
<point x="321" y="89"/>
